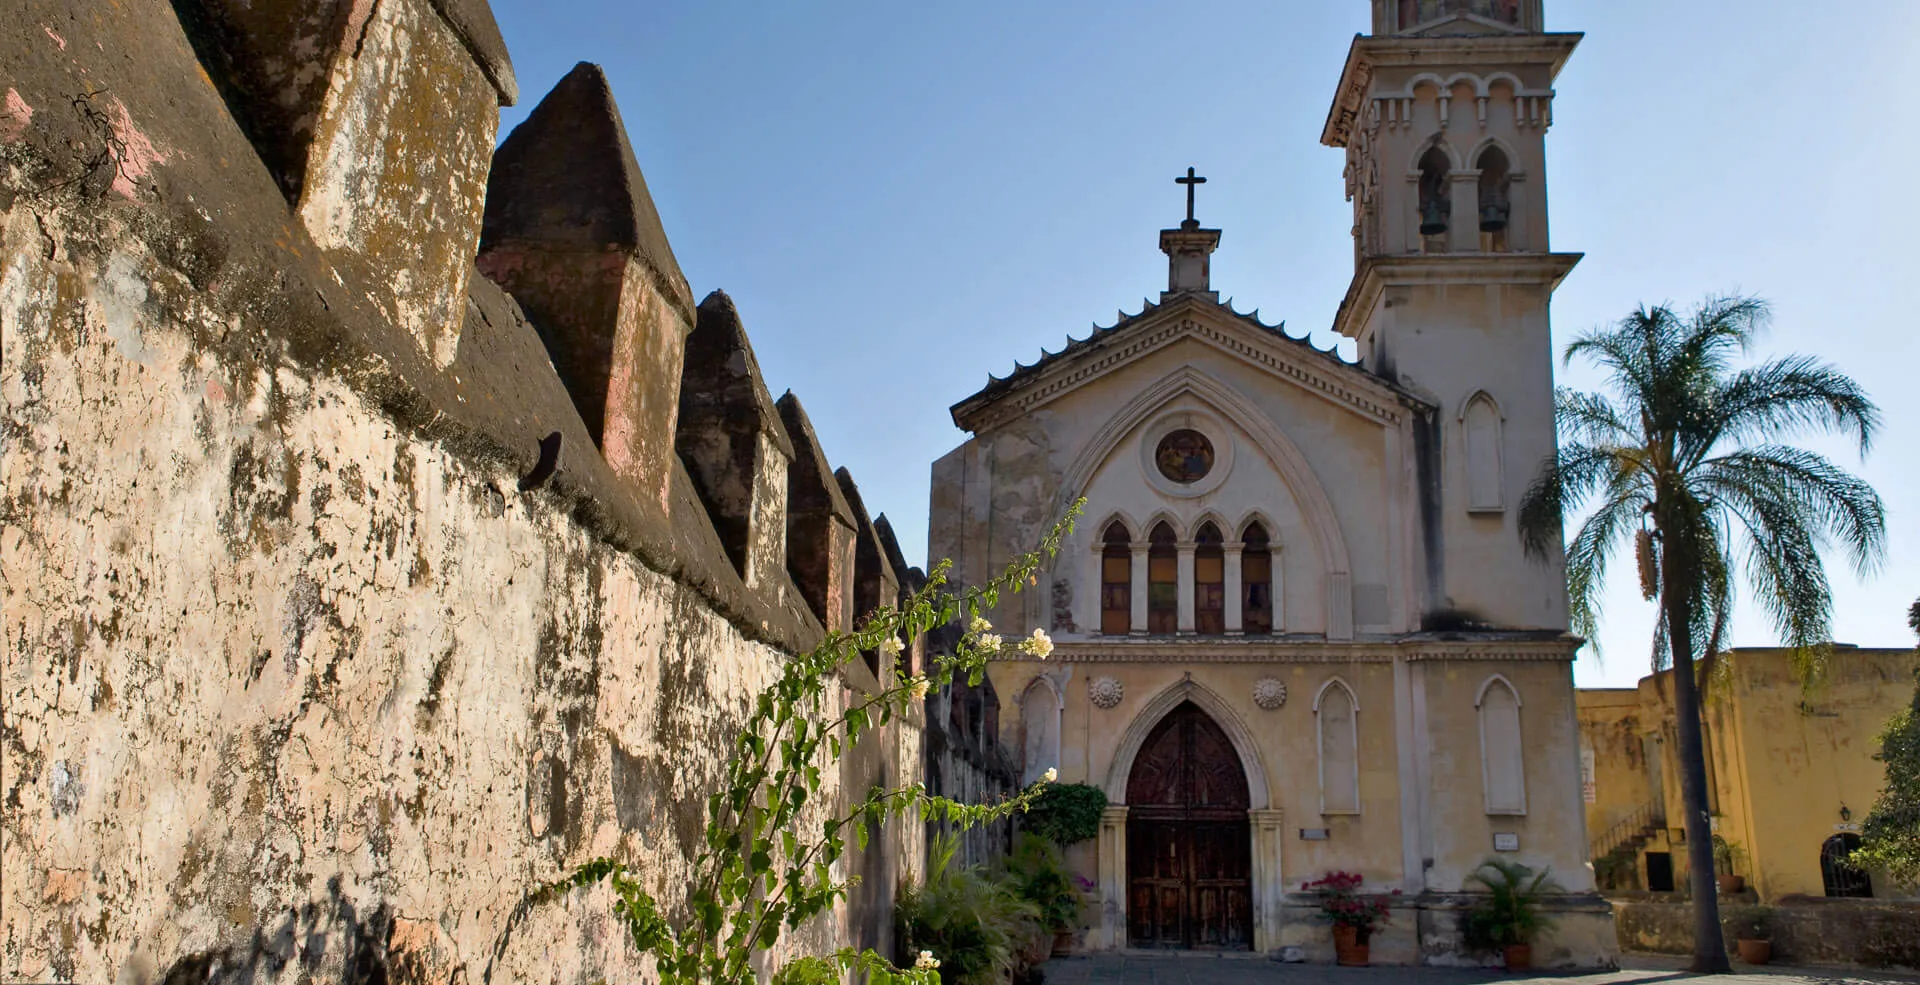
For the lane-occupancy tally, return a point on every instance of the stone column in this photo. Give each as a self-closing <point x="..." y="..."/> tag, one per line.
<point x="1520" y="220"/>
<point x="1269" y="883"/>
<point x="1463" y="232"/>
<point x="1185" y="585"/>
<point x="1112" y="933"/>
<point x="1234" y="590"/>
<point x="1137" y="594"/>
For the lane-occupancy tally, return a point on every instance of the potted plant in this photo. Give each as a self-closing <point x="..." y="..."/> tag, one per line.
<point x="1509" y="916"/>
<point x="1354" y="916"/>
<point x="1751" y="939"/>
<point x="1728" y="856"/>
<point x="1040" y="874"/>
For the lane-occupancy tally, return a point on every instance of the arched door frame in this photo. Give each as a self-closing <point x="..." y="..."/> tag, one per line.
<point x="1264" y="817"/>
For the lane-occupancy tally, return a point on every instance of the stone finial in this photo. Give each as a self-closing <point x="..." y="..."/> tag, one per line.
<point x="911" y="580"/>
<point x="378" y="120"/>
<point x="820" y="524"/>
<point x="876" y="582"/>
<point x="732" y="442"/>
<point x="1189" y="249"/>
<point x="571" y="232"/>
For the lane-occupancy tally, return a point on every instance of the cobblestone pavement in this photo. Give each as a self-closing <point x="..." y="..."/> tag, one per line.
<point x="1204" y="969"/>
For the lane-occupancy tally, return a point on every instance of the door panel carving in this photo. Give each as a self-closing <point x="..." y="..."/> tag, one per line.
<point x="1189" y="857"/>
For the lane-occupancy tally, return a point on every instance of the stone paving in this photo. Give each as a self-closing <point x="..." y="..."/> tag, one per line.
<point x="1213" y="969"/>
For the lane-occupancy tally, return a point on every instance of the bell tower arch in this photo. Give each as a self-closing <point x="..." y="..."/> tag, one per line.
<point x="1443" y="114"/>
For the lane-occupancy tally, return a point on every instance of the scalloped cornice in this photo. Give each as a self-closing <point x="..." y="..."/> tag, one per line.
<point x="1532" y="648"/>
<point x="1335" y="380"/>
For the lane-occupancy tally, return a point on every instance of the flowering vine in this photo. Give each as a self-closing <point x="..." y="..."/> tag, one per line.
<point x="767" y="864"/>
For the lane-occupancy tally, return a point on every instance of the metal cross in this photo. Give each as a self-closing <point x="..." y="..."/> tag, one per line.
<point x="1190" y="180"/>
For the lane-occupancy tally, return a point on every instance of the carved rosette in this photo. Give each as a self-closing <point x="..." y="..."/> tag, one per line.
<point x="1105" y="691"/>
<point x="1270" y="692"/>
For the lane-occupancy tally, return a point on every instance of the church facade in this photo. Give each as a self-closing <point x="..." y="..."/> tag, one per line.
<point x="1295" y="629"/>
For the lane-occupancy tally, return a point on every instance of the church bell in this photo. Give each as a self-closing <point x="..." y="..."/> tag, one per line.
<point x="1493" y="217"/>
<point x="1433" y="217"/>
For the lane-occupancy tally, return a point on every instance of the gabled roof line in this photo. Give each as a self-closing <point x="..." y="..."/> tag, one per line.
<point x="970" y="414"/>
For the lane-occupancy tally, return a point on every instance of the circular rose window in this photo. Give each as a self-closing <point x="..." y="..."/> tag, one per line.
<point x="1184" y="456"/>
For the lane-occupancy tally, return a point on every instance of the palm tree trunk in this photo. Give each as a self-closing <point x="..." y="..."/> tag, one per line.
<point x="1709" y="946"/>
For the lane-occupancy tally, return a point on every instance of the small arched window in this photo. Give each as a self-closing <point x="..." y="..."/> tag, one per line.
<point x="1502" y="758"/>
<point x="1209" y="582"/>
<point x="1337" y="714"/>
<point x="1480" y="426"/>
<point x="1256" y="580"/>
<point x="1496" y="199"/>
<point x="1436" y="199"/>
<point x="1116" y="581"/>
<point x="1163" y="580"/>
<point x="1839" y="876"/>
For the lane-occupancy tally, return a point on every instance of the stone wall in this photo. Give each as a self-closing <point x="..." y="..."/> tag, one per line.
<point x="335" y="617"/>
<point x="1803" y="930"/>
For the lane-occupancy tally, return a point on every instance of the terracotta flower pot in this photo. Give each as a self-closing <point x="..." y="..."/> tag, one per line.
<point x="1347" y="948"/>
<point x="1730" y="884"/>
<point x="1755" y="952"/>
<point x="1519" y="956"/>
<point x="1062" y="943"/>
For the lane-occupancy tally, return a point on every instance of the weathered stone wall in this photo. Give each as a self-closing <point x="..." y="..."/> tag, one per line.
<point x="1804" y="930"/>
<point x="329" y="627"/>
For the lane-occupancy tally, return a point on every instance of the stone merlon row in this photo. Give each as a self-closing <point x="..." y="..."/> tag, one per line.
<point x="333" y="167"/>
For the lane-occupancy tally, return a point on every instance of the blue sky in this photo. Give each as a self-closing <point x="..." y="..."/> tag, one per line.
<point x="905" y="197"/>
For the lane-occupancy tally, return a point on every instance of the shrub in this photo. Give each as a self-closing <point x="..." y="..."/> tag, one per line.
<point x="1066" y="813"/>
<point x="973" y="919"/>
<point x="1040" y="873"/>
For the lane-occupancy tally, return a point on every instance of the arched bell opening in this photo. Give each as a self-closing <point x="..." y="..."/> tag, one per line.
<point x="1436" y="199"/>
<point x="1496" y="199"/>
<point x="1189" y="844"/>
<point x="1256" y="580"/>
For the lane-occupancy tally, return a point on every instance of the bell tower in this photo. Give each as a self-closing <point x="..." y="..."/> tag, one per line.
<point x="1443" y="113"/>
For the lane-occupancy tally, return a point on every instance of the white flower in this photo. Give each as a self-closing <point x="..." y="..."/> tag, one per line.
<point x="979" y="625"/>
<point x="1039" y="644"/>
<point x="989" y="642"/>
<point x="918" y="688"/>
<point x="926" y="961"/>
<point x="1050" y="775"/>
<point x="891" y="646"/>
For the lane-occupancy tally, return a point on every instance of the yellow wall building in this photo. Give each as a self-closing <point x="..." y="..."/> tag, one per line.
<point x="1791" y="772"/>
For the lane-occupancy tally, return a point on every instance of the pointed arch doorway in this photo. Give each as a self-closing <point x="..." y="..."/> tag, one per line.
<point x="1189" y="848"/>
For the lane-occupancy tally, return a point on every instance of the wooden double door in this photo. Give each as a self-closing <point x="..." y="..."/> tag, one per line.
<point x="1189" y="850"/>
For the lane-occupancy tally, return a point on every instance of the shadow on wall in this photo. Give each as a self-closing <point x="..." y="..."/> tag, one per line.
<point x="329" y="939"/>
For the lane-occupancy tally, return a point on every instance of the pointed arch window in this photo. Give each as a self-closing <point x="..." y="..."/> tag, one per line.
<point x="1336" y="714"/>
<point x="1116" y="580"/>
<point x="1163" y="580"/>
<point x="1209" y="581"/>
<point x="1256" y="580"/>
<point x="1486" y="472"/>
<point x="1502" y="757"/>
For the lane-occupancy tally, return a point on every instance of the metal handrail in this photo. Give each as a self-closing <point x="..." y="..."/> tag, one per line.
<point x="1645" y="819"/>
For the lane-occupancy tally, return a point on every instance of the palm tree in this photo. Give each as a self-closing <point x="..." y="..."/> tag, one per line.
<point x="1684" y="457"/>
